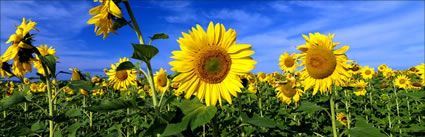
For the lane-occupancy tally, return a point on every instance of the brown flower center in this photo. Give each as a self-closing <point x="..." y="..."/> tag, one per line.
<point x="213" y="65"/>
<point x="289" y="62"/>
<point x="121" y="75"/>
<point x="288" y="90"/>
<point x="402" y="81"/>
<point x="162" y="81"/>
<point x="320" y="62"/>
<point x="368" y="72"/>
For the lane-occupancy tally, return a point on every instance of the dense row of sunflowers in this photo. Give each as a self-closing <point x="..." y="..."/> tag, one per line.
<point x="209" y="69"/>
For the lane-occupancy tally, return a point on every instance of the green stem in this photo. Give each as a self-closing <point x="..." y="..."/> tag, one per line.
<point x="398" y="108"/>
<point x="133" y="20"/>
<point x="389" y="119"/>
<point x="215" y="127"/>
<point x="331" y="101"/>
<point x="152" y="83"/>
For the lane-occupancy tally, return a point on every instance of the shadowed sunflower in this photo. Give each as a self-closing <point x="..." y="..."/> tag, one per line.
<point x="288" y="63"/>
<point x="161" y="80"/>
<point x="103" y="17"/>
<point x="361" y="85"/>
<point x="121" y="79"/>
<point x="288" y="90"/>
<point x="416" y="85"/>
<point x="5" y="70"/>
<point x="21" y="50"/>
<point x="44" y="51"/>
<point x="211" y="63"/>
<point x="342" y="118"/>
<point x="402" y="81"/>
<point x="323" y="65"/>
<point x="367" y="73"/>
<point x="382" y="67"/>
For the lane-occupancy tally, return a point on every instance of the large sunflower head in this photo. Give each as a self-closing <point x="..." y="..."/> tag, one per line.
<point x="288" y="63"/>
<point x="367" y="73"/>
<point x="286" y="91"/>
<point x="402" y="81"/>
<point x="104" y="14"/>
<point x="382" y="67"/>
<point x="210" y="63"/>
<point x="121" y="79"/>
<point x="161" y="80"/>
<point x="324" y="66"/>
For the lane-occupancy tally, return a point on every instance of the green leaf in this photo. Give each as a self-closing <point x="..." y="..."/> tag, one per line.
<point x="258" y="121"/>
<point x="125" y="66"/>
<point x="72" y="130"/>
<point x="196" y="114"/>
<point x="119" y="23"/>
<point x="50" y="62"/>
<point x="364" y="129"/>
<point x="76" y="85"/>
<point x="107" y="105"/>
<point x="159" y="36"/>
<point x="12" y="100"/>
<point x="144" y="52"/>
<point x="309" y="107"/>
<point x="20" y="131"/>
<point x="175" y="74"/>
<point x="73" y="113"/>
<point x="415" y="95"/>
<point x="37" y="126"/>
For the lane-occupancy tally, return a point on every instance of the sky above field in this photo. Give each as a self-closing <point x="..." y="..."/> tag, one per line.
<point x="378" y="32"/>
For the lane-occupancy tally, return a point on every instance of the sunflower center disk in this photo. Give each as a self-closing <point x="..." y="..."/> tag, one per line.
<point x="288" y="91"/>
<point x="367" y="72"/>
<point x="162" y="82"/>
<point x="121" y="75"/>
<point x="289" y="62"/>
<point x="416" y="84"/>
<point x="320" y="62"/>
<point x="214" y="65"/>
<point x="402" y="81"/>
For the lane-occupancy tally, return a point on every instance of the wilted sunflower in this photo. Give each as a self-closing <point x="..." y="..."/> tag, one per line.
<point x="122" y="79"/>
<point x="402" y="81"/>
<point x="103" y="17"/>
<point x="262" y="76"/>
<point x="44" y="51"/>
<point x="324" y="66"/>
<point x="288" y="63"/>
<point x="342" y="118"/>
<point x="361" y="85"/>
<point x="288" y="90"/>
<point x="382" y="67"/>
<point x="367" y="73"/>
<point x="20" y="50"/>
<point x="211" y="63"/>
<point x="161" y="80"/>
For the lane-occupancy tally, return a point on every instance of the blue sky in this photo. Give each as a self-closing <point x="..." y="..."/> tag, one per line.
<point x="390" y="32"/>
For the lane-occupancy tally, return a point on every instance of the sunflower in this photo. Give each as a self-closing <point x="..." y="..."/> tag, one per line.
<point x="20" y="50"/>
<point x="161" y="80"/>
<point x="342" y="118"/>
<point x="288" y="63"/>
<point x="104" y="15"/>
<point x="382" y="67"/>
<point x="75" y="74"/>
<point x="5" y="70"/>
<point x="323" y="65"/>
<point x="287" y="91"/>
<point x="252" y="88"/>
<point x="367" y="72"/>
<point x="211" y="63"/>
<point x="361" y="91"/>
<point x="262" y="76"/>
<point x="44" y="51"/>
<point x="33" y="87"/>
<point x="41" y="87"/>
<point x="388" y="73"/>
<point x="416" y="85"/>
<point x="402" y="81"/>
<point x="122" y="79"/>
<point x="355" y="68"/>
<point x="26" y="81"/>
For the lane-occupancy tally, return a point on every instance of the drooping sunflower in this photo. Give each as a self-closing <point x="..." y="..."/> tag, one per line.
<point x="121" y="79"/>
<point x="75" y="74"/>
<point x="262" y="76"/>
<point x="161" y="80"/>
<point x="361" y="88"/>
<point x="324" y="66"/>
<point x="5" y="70"/>
<point x="342" y="118"/>
<point x="382" y="67"/>
<point x="402" y="81"/>
<point x="416" y="85"/>
<point x="211" y="63"/>
<point x="367" y="73"/>
<point x="288" y="90"/>
<point x="20" y="50"/>
<point x="288" y="63"/>
<point x="44" y="51"/>
<point x="104" y="15"/>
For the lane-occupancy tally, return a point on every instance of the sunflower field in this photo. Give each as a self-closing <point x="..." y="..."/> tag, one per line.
<point x="209" y="90"/>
